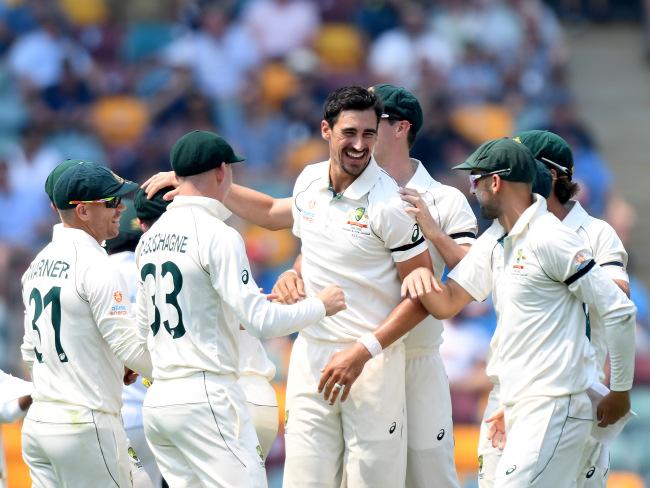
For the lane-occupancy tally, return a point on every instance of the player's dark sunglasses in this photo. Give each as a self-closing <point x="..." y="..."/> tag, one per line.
<point x="110" y="202"/>
<point x="473" y="179"/>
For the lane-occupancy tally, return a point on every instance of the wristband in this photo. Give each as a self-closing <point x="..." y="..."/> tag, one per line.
<point x="291" y="270"/>
<point x="371" y="343"/>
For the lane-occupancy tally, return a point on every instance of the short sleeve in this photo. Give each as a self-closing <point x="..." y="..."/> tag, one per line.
<point x="474" y="272"/>
<point x="563" y="254"/>
<point x="398" y="230"/>
<point x="457" y="218"/>
<point x="610" y="254"/>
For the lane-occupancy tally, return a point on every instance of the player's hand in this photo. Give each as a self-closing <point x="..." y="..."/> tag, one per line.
<point x="333" y="298"/>
<point x="343" y="369"/>
<point x="497" y="429"/>
<point x="129" y="376"/>
<point x="418" y="282"/>
<point x="158" y="182"/>
<point x="612" y="407"/>
<point x="420" y="211"/>
<point x="24" y="402"/>
<point x="289" y="288"/>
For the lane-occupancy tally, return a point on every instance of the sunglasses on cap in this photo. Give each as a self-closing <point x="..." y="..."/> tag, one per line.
<point x="109" y="202"/>
<point x="555" y="166"/>
<point x="473" y="179"/>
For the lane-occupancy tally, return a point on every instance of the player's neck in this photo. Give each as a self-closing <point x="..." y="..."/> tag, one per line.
<point x="512" y="210"/>
<point x="399" y="165"/>
<point x="556" y="208"/>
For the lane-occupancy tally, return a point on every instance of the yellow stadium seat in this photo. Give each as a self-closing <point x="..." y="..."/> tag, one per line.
<point x="465" y="449"/>
<point x="340" y="47"/>
<point x="480" y="123"/>
<point x="17" y="472"/>
<point x="624" y="479"/>
<point x="120" y="119"/>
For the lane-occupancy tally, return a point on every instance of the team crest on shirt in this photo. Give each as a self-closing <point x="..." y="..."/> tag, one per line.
<point x="357" y="222"/>
<point x="519" y="264"/>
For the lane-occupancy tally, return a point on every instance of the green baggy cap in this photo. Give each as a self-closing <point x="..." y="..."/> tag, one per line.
<point x="400" y="104"/>
<point x="503" y="154"/>
<point x="87" y="182"/>
<point x="200" y="151"/>
<point x="550" y="149"/>
<point x="54" y="175"/>
<point x="543" y="183"/>
<point x="151" y="209"/>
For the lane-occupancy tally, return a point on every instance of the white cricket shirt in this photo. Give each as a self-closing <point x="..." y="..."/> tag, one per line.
<point x="253" y="360"/>
<point x="353" y="239"/>
<point x="196" y="288"/>
<point x="539" y="275"/>
<point x="79" y="330"/>
<point x="610" y="254"/>
<point x="451" y="210"/>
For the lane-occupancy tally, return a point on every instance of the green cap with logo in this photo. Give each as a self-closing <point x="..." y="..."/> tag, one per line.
<point x="550" y="149"/>
<point x="543" y="183"/>
<point x="87" y="182"/>
<point x="513" y="158"/>
<point x="130" y="231"/>
<point x="400" y="104"/>
<point x="53" y="177"/>
<point x="153" y="208"/>
<point x="200" y="151"/>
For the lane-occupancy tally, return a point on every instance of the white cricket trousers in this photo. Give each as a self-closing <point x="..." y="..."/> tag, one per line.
<point x="430" y="454"/>
<point x="92" y="451"/>
<point x="546" y="439"/>
<point x="209" y="443"/>
<point x="364" y="436"/>
<point x="262" y="406"/>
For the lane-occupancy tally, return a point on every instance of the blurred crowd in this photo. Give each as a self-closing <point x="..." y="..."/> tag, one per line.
<point x="118" y="82"/>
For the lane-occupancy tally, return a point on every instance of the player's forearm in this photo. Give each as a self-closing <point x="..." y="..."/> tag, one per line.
<point x="401" y="320"/>
<point x="450" y="251"/>
<point x="444" y="305"/>
<point x="124" y="340"/>
<point x="618" y="314"/>
<point x="259" y="208"/>
<point x="264" y="319"/>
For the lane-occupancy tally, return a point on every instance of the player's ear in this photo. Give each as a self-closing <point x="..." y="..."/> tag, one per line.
<point x="325" y="130"/>
<point x="81" y="211"/>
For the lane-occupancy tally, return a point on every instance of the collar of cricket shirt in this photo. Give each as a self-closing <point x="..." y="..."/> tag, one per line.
<point x="536" y="209"/>
<point x="211" y="205"/>
<point x="364" y="182"/>
<point x="70" y="234"/>
<point x="576" y="216"/>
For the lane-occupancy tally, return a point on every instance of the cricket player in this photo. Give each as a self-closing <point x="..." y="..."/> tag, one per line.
<point x="196" y="288"/>
<point x="555" y="155"/>
<point x="129" y="412"/>
<point x="539" y="273"/>
<point x="430" y="454"/>
<point x="79" y="334"/>
<point x="256" y="370"/>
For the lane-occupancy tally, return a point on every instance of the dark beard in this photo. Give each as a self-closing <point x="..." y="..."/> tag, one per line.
<point x="488" y="213"/>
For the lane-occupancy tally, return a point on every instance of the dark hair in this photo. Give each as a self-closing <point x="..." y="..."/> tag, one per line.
<point x="565" y="189"/>
<point x="350" y="98"/>
<point x="412" y="134"/>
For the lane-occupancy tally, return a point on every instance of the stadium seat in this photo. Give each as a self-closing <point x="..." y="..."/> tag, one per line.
<point x="624" y="479"/>
<point x="17" y="472"/>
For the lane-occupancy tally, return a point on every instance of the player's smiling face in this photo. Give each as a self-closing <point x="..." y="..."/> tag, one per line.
<point x="352" y="139"/>
<point x="104" y="223"/>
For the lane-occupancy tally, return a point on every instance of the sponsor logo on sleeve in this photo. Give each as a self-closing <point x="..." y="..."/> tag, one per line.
<point x="117" y="307"/>
<point x="245" y="276"/>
